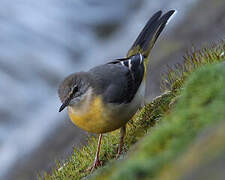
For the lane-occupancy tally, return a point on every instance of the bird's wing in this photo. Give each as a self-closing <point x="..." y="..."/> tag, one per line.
<point x="118" y="80"/>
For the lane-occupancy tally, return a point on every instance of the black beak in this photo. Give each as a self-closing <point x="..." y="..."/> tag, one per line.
<point x="66" y="103"/>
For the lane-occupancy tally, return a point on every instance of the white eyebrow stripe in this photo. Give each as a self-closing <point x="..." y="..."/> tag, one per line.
<point x="129" y="64"/>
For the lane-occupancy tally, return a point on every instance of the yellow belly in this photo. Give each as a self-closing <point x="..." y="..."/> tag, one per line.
<point x="96" y="117"/>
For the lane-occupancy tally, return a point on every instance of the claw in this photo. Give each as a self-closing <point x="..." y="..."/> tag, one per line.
<point x="96" y="164"/>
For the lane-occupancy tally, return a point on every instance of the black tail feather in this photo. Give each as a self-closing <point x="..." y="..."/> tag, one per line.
<point x="148" y="36"/>
<point x="146" y="30"/>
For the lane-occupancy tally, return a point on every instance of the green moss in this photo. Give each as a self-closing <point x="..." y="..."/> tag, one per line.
<point x="168" y="124"/>
<point x="176" y="75"/>
<point x="199" y="106"/>
<point x="81" y="159"/>
<point x="201" y="159"/>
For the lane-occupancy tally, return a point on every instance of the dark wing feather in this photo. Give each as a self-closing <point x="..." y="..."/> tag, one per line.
<point x="119" y="80"/>
<point x="110" y="81"/>
<point x="135" y="64"/>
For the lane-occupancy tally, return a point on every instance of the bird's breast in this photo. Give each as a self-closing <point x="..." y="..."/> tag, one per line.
<point x="93" y="115"/>
<point x="96" y="116"/>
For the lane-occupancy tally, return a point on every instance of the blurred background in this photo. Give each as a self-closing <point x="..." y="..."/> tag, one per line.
<point x="42" y="41"/>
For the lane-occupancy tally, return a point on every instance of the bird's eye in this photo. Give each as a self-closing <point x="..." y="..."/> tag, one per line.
<point x="74" y="90"/>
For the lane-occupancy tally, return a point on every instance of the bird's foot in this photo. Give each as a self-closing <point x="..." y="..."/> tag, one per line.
<point x="118" y="155"/>
<point x="96" y="164"/>
<point x="119" y="152"/>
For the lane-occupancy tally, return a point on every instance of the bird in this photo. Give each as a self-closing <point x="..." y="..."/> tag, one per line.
<point x="107" y="96"/>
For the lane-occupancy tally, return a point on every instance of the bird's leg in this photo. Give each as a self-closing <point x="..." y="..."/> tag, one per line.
<point x="96" y="161"/>
<point x="122" y="134"/>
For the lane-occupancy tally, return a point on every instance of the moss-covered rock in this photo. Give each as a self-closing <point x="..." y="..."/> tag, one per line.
<point x="161" y="135"/>
<point x="74" y="168"/>
<point x="203" y="159"/>
<point x="201" y="104"/>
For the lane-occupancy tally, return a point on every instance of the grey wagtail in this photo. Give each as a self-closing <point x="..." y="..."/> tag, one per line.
<point x="104" y="98"/>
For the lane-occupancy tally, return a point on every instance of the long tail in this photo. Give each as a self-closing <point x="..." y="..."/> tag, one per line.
<point x="148" y="36"/>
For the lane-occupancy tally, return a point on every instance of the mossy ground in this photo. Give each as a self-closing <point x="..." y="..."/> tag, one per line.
<point x="161" y="131"/>
<point x="81" y="159"/>
<point x="196" y="109"/>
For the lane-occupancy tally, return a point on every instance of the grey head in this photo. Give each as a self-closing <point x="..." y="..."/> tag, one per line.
<point x="72" y="89"/>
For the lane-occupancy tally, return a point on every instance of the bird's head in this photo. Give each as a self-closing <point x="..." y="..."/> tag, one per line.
<point x="72" y="89"/>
